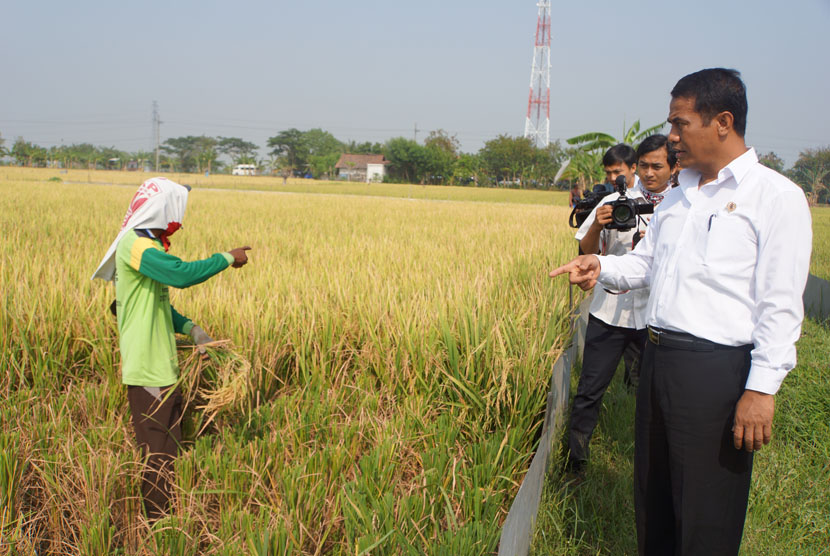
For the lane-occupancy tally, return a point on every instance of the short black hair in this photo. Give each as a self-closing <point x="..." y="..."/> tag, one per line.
<point x="655" y="143"/>
<point x="620" y="153"/>
<point x="716" y="90"/>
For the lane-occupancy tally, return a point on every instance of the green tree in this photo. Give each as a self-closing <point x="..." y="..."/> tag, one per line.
<point x="599" y="141"/>
<point x="546" y="164"/>
<point x="191" y="153"/>
<point x="238" y="150"/>
<point x="323" y="152"/>
<point x="181" y="152"/>
<point x="142" y="158"/>
<point x="290" y="147"/>
<point x="112" y="158"/>
<point x="467" y="170"/>
<point x="584" y="168"/>
<point x="3" y="151"/>
<point x="812" y="172"/>
<point x="84" y="154"/>
<point x="26" y="153"/>
<point x="206" y="153"/>
<point x="441" y="151"/>
<point x="507" y="159"/>
<point x="367" y="147"/>
<point x="772" y="160"/>
<point x="408" y="160"/>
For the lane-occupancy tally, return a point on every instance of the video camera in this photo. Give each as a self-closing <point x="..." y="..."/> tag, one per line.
<point x="624" y="211"/>
<point x="584" y="206"/>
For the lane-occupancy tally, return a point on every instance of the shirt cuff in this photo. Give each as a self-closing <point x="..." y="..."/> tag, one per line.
<point x="606" y="267"/>
<point x="187" y="327"/>
<point x="229" y="258"/>
<point x="764" y="379"/>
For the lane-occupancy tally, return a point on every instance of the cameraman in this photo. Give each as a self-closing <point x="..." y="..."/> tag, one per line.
<point x="616" y="323"/>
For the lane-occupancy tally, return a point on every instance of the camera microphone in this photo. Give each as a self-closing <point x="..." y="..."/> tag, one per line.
<point x="620" y="183"/>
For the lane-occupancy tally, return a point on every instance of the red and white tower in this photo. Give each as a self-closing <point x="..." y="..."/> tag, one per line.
<point x="537" y="125"/>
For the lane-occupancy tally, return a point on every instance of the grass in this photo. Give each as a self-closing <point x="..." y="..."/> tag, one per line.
<point x="820" y="262"/>
<point x="789" y="501"/>
<point x="380" y="393"/>
<point x="296" y="185"/>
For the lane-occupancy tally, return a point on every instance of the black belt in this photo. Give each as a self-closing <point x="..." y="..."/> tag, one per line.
<point x="679" y="340"/>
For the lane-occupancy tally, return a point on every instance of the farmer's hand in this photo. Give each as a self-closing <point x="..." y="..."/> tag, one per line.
<point x="582" y="271"/>
<point x="240" y="257"/>
<point x="200" y="338"/>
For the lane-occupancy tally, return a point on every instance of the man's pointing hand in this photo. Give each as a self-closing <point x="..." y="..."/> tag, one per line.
<point x="582" y="271"/>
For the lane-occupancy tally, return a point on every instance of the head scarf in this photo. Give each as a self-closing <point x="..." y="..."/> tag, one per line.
<point x="158" y="204"/>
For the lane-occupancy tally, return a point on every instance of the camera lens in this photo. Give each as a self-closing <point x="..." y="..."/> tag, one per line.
<point x="621" y="214"/>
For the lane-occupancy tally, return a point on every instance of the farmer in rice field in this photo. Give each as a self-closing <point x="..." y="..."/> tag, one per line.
<point x="143" y="271"/>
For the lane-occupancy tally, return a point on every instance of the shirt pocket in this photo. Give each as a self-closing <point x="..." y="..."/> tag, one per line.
<point x="731" y="244"/>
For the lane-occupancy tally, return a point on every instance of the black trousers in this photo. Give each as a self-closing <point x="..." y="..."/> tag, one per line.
<point x="604" y="345"/>
<point x="157" y="425"/>
<point x="691" y="485"/>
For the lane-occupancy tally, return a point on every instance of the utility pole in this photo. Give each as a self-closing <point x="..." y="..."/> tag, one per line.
<point x="537" y="124"/>
<point x="156" y="130"/>
<point x="415" y="134"/>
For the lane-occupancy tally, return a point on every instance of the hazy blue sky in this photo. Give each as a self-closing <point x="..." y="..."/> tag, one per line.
<point x="369" y="70"/>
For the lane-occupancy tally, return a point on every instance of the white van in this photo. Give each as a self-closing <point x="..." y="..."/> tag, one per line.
<point x="244" y="170"/>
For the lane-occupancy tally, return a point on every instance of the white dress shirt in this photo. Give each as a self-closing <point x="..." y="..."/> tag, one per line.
<point x="627" y="310"/>
<point x="728" y="262"/>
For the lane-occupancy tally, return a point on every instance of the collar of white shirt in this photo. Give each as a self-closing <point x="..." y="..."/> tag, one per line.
<point x="737" y="170"/>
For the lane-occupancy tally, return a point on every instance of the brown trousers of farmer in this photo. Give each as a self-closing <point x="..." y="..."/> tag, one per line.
<point x="156" y="417"/>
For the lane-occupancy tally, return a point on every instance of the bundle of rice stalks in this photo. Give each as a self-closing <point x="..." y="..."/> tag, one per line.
<point x="214" y="383"/>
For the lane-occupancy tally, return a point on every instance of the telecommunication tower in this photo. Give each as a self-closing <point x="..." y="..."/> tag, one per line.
<point x="537" y="124"/>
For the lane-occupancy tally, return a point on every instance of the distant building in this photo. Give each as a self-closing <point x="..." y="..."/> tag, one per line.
<point x="361" y="167"/>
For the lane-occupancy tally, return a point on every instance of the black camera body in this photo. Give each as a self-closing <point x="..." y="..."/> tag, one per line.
<point x="624" y="211"/>
<point x="584" y="206"/>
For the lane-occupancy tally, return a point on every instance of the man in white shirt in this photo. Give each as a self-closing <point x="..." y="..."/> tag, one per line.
<point x="616" y="323"/>
<point x="726" y="256"/>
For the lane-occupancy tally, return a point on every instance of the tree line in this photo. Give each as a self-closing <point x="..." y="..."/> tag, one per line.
<point x="505" y="161"/>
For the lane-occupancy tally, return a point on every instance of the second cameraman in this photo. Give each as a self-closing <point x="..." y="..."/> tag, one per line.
<point x="616" y="323"/>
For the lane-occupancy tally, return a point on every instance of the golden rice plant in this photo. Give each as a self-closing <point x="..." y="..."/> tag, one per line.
<point x="380" y="386"/>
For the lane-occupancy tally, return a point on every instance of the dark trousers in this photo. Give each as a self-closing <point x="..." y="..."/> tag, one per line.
<point x="690" y="483"/>
<point x="604" y="345"/>
<point x="157" y="425"/>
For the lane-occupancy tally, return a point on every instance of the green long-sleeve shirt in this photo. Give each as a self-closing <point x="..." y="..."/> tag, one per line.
<point x="146" y="320"/>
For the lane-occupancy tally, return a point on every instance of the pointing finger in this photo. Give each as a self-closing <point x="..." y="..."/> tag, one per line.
<point x="564" y="269"/>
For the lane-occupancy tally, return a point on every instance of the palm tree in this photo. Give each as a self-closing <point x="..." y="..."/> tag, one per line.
<point x="585" y="168"/>
<point x="815" y="179"/>
<point x="597" y="141"/>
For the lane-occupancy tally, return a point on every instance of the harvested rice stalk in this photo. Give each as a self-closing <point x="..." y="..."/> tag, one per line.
<point x="216" y="383"/>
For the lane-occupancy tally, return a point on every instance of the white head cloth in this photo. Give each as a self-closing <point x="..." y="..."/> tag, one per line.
<point x="158" y="203"/>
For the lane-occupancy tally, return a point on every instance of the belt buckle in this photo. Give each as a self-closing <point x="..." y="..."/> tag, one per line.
<point x="654" y="336"/>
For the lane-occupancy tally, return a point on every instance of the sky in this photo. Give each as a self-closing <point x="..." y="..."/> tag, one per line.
<point x="364" y="70"/>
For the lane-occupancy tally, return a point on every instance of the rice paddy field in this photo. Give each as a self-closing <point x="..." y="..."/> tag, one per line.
<point x="820" y="263"/>
<point x="380" y="389"/>
<point x="379" y="386"/>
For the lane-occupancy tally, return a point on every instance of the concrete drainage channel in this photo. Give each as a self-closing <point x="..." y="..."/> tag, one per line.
<point x="517" y="531"/>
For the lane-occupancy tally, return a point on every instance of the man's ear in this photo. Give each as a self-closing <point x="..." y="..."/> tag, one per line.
<point x="724" y="121"/>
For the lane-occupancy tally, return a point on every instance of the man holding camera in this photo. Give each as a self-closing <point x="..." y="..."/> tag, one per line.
<point x="616" y="323"/>
<point x="726" y="256"/>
